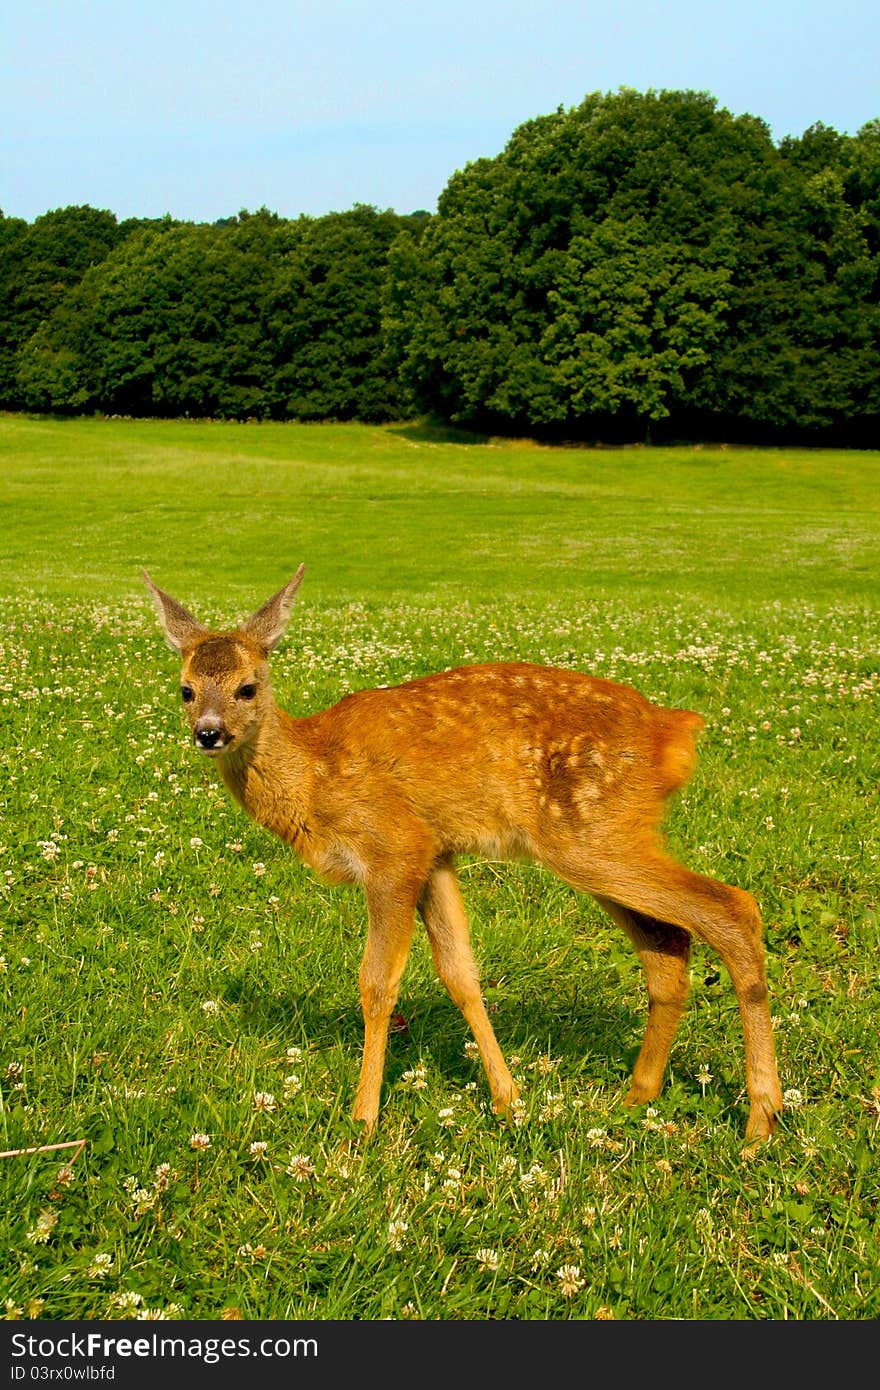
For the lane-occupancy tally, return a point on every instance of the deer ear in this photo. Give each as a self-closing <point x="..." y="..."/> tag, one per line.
<point x="180" y="627"/>
<point x="267" y="625"/>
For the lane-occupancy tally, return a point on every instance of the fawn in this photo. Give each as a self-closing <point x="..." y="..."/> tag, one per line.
<point x="508" y="759"/>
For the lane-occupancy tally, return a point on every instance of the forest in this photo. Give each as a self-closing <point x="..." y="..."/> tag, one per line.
<point x="642" y="265"/>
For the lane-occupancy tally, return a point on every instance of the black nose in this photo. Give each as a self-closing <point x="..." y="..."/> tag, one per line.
<point x="208" y="738"/>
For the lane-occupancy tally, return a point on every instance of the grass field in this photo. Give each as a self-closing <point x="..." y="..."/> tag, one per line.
<point x="182" y="995"/>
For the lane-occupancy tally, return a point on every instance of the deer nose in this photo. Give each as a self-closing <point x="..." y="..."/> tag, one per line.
<point x="208" y="737"/>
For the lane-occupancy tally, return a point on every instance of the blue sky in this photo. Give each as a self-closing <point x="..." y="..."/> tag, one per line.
<point x="200" y="108"/>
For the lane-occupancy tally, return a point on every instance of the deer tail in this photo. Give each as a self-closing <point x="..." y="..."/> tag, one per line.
<point x="676" y="747"/>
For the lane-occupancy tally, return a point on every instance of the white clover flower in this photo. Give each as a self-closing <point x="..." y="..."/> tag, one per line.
<point x="142" y="1199"/>
<point x="488" y="1260"/>
<point x="200" y="1142"/>
<point x="127" y="1299"/>
<point x="101" y="1266"/>
<point x="300" y="1167"/>
<point x="164" y="1174"/>
<point x="533" y="1177"/>
<point x="45" y="1225"/>
<point x="570" y="1280"/>
<point x="553" y="1107"/>
<point x="265" y="1102"/>
<point x="396" y="1231"/>
<point x="518" y="1112"/>
<point x="415" y="1078"/>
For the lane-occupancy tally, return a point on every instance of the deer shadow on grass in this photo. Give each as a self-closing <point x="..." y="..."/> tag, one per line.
<point x="579" y="1029"/>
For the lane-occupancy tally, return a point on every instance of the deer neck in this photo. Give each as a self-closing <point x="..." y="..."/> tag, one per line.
<point x="270" y="776"/>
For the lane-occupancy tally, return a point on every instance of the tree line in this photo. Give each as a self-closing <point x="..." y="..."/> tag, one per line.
<point x="643" y="263"/>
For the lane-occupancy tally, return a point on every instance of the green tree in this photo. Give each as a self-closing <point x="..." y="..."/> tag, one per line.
<point x="802" y="347"/>
<point x="325" y="320"/>
<point x="254" y="316"/>
<point x="644" y="258"/>
<point x="583" y="273"/>
<point x="171" y="324"/>
<point x="39" y="264"/>
<point x="632" y="319"/>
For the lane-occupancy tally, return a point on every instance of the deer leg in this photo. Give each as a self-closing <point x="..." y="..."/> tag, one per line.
<point x="446" y="922"/>
<point x="664" y="951"/>
<point x="726" y="918"/>
<point x="391" y="923"/>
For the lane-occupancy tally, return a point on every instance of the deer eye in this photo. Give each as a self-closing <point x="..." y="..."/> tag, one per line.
<point x="187" y="694"/>
<point x="246" y="691"/>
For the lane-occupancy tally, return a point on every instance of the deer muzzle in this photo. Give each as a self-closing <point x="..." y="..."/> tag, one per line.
<point x="210" y="736"/>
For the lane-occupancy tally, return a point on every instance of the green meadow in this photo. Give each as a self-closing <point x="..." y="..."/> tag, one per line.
<point x="178" y="996"/>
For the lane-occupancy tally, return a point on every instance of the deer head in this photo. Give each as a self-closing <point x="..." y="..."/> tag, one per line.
<point x="224" y="681"/>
